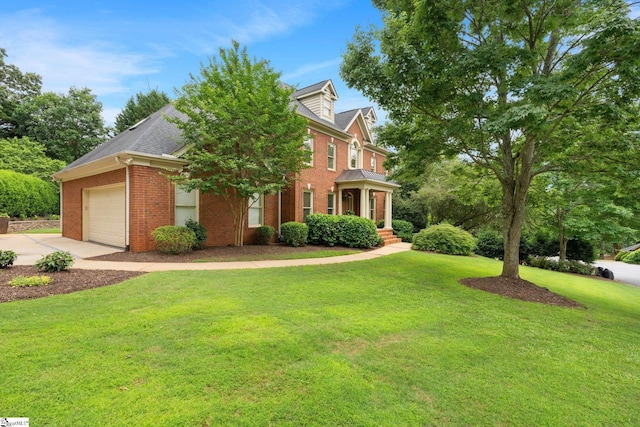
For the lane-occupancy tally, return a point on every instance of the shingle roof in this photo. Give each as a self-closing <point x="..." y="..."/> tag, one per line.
<point x="304" y="111"/>
<point x="344" y="118"/>
<point x="153" y="135"/>
<point x="309" y="89"/>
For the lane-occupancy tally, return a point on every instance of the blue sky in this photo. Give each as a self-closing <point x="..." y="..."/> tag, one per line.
<point x="119" y="48"/>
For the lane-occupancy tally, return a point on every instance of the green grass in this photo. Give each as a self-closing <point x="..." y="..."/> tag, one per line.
<point x="41" y="231"/>
<point x="283" y="256"/>
<point x="393" y="341"/>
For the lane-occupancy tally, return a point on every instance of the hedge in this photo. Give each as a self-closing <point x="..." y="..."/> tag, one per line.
<point x="27" y="195"/>
<point x="323" y="229"/>
<point x="445" y="239"/>
<point x="294" y="233"/>
<point x="174" y="239"/>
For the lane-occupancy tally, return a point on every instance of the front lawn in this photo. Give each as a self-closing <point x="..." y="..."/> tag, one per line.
<point x="392" y="341"/>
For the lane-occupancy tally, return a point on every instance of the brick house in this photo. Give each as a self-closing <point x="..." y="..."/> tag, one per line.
<point x="117" y="194"/>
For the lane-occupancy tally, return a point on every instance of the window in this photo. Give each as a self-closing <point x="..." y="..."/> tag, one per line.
<point x="308" y="147"/>
<point x="373" y="164"/>
<point x="307" y="204"/>
<point x="331" y="204"/>
<point x="355" y="154"/>
<point x="372" y="208"/>
<point x="326" y="108"/>
<point x="331" y="156"/>
<point x="255" y="210"/>
<point x="186" y="205"/>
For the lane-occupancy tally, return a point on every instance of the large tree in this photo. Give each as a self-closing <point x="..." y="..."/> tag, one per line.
<point x="15" y="88"/>
<point x="518" y="87"/>
<point x="139" y="107"/>
<point x="68" y="125"/>
<point x="28" y="157"/>
<point x="245" y="138"/>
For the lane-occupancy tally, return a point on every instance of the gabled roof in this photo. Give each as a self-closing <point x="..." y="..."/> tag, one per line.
<point x="153" y="135"/>
<point x="314" y="89"/>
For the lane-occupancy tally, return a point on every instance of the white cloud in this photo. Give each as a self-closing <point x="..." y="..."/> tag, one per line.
<point x="310" y="68"/>
<point x="38" y="44"/>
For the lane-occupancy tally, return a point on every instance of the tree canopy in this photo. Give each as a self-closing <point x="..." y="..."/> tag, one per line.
<point x="15" y="88"/>
<point x="245" y="138"/>
<point x="139" y="107"/>
<point x="518" y="88"/>
<point x="69" y="126"/>
<point x="28" y="157"/>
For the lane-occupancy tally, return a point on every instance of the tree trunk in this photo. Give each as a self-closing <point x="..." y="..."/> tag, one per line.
<point x="239" y="210"/>
<point x="516" y="180"/>
<point x="563" y="245"/>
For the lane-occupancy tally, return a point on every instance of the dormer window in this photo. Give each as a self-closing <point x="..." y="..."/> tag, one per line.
<point x="327" y="108"/>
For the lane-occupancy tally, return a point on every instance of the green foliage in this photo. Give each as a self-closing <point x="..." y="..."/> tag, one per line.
<point x="245" y="138"/>
<point x="632" y="257"/>
<point x="28" y="281"/>
<point x="519" y="89"/>
<point x="357" y="232"/>
<point x="264" y="234"/>
<point x="139" y="107"/>
<point x="15" y="88"/>
<point x="294" y="233"/>
<point x="56" y="261"/>
<point x="28" y="157"/>
<point x="445" y="239"/>
<point x="490" y="244"/>
<point x="69" y="126"/>
<point x="402" y="229"/>
<point x="27" y="195"/>
<point x="573" y="266"/>
<point x="174" y="239"/>
<point x="620" y="255"/>
<point x="199" y="231"/>
<point x="7" y="258"/>
<point x="580" y="250"/>
<point x="323" y="229"/>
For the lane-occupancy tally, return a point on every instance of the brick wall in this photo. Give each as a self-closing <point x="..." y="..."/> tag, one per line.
<point x="72" y="199"/>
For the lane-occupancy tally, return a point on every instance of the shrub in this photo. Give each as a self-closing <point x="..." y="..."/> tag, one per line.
<point x="199" y="231"/>
<point x="544" y="245"/>
<point x="23" y="282"/>
<point x="174" y="239"/>
<point x="7" y="258"/>
<point x="402" y="229"/>
<point x="323" y="229"/>
<point x="620" y="255"/>
<point x="56" y="261"/>
<point x="264" y="234"/>
<point x="357" y="232"/>
<point x="294" y="233"/>
<point x="632" y="257"/>
<point x="490" y="244"/>
<point x="446" y="239"/>
<point x="576" y="267"/>
<point x="26" y="195"/>
<point x="580" y="249"/>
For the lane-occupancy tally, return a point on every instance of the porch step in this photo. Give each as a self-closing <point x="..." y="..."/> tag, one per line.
<point x="388" y="237"/>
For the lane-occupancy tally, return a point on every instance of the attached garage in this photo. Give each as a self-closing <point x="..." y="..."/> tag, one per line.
<point x="104" y="215"/>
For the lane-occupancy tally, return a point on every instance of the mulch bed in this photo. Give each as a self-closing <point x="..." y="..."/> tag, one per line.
<point x="519" y="289"/>
<point x="64" y="282"/>
<point x="77" y="280"/>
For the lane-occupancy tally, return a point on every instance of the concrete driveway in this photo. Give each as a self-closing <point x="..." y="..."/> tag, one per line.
<point x="31" y="247"/>
<point x="622" y="272"/>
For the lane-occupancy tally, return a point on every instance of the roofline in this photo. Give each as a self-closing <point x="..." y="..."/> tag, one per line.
<point x="118" y="161"/>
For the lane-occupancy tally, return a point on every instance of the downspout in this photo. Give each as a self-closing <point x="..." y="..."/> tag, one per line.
<point x="126" y="164"/>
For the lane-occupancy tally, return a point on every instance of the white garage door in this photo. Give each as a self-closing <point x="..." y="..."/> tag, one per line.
<point x="104" y="220"/>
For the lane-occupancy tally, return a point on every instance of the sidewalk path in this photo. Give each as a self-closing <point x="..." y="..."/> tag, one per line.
<point x="149" y="267"/>
<point x="31" y="247"/>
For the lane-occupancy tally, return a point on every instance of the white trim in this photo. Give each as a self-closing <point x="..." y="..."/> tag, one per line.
<point x="334" y="158"/>
<point x="260" y="209"/>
